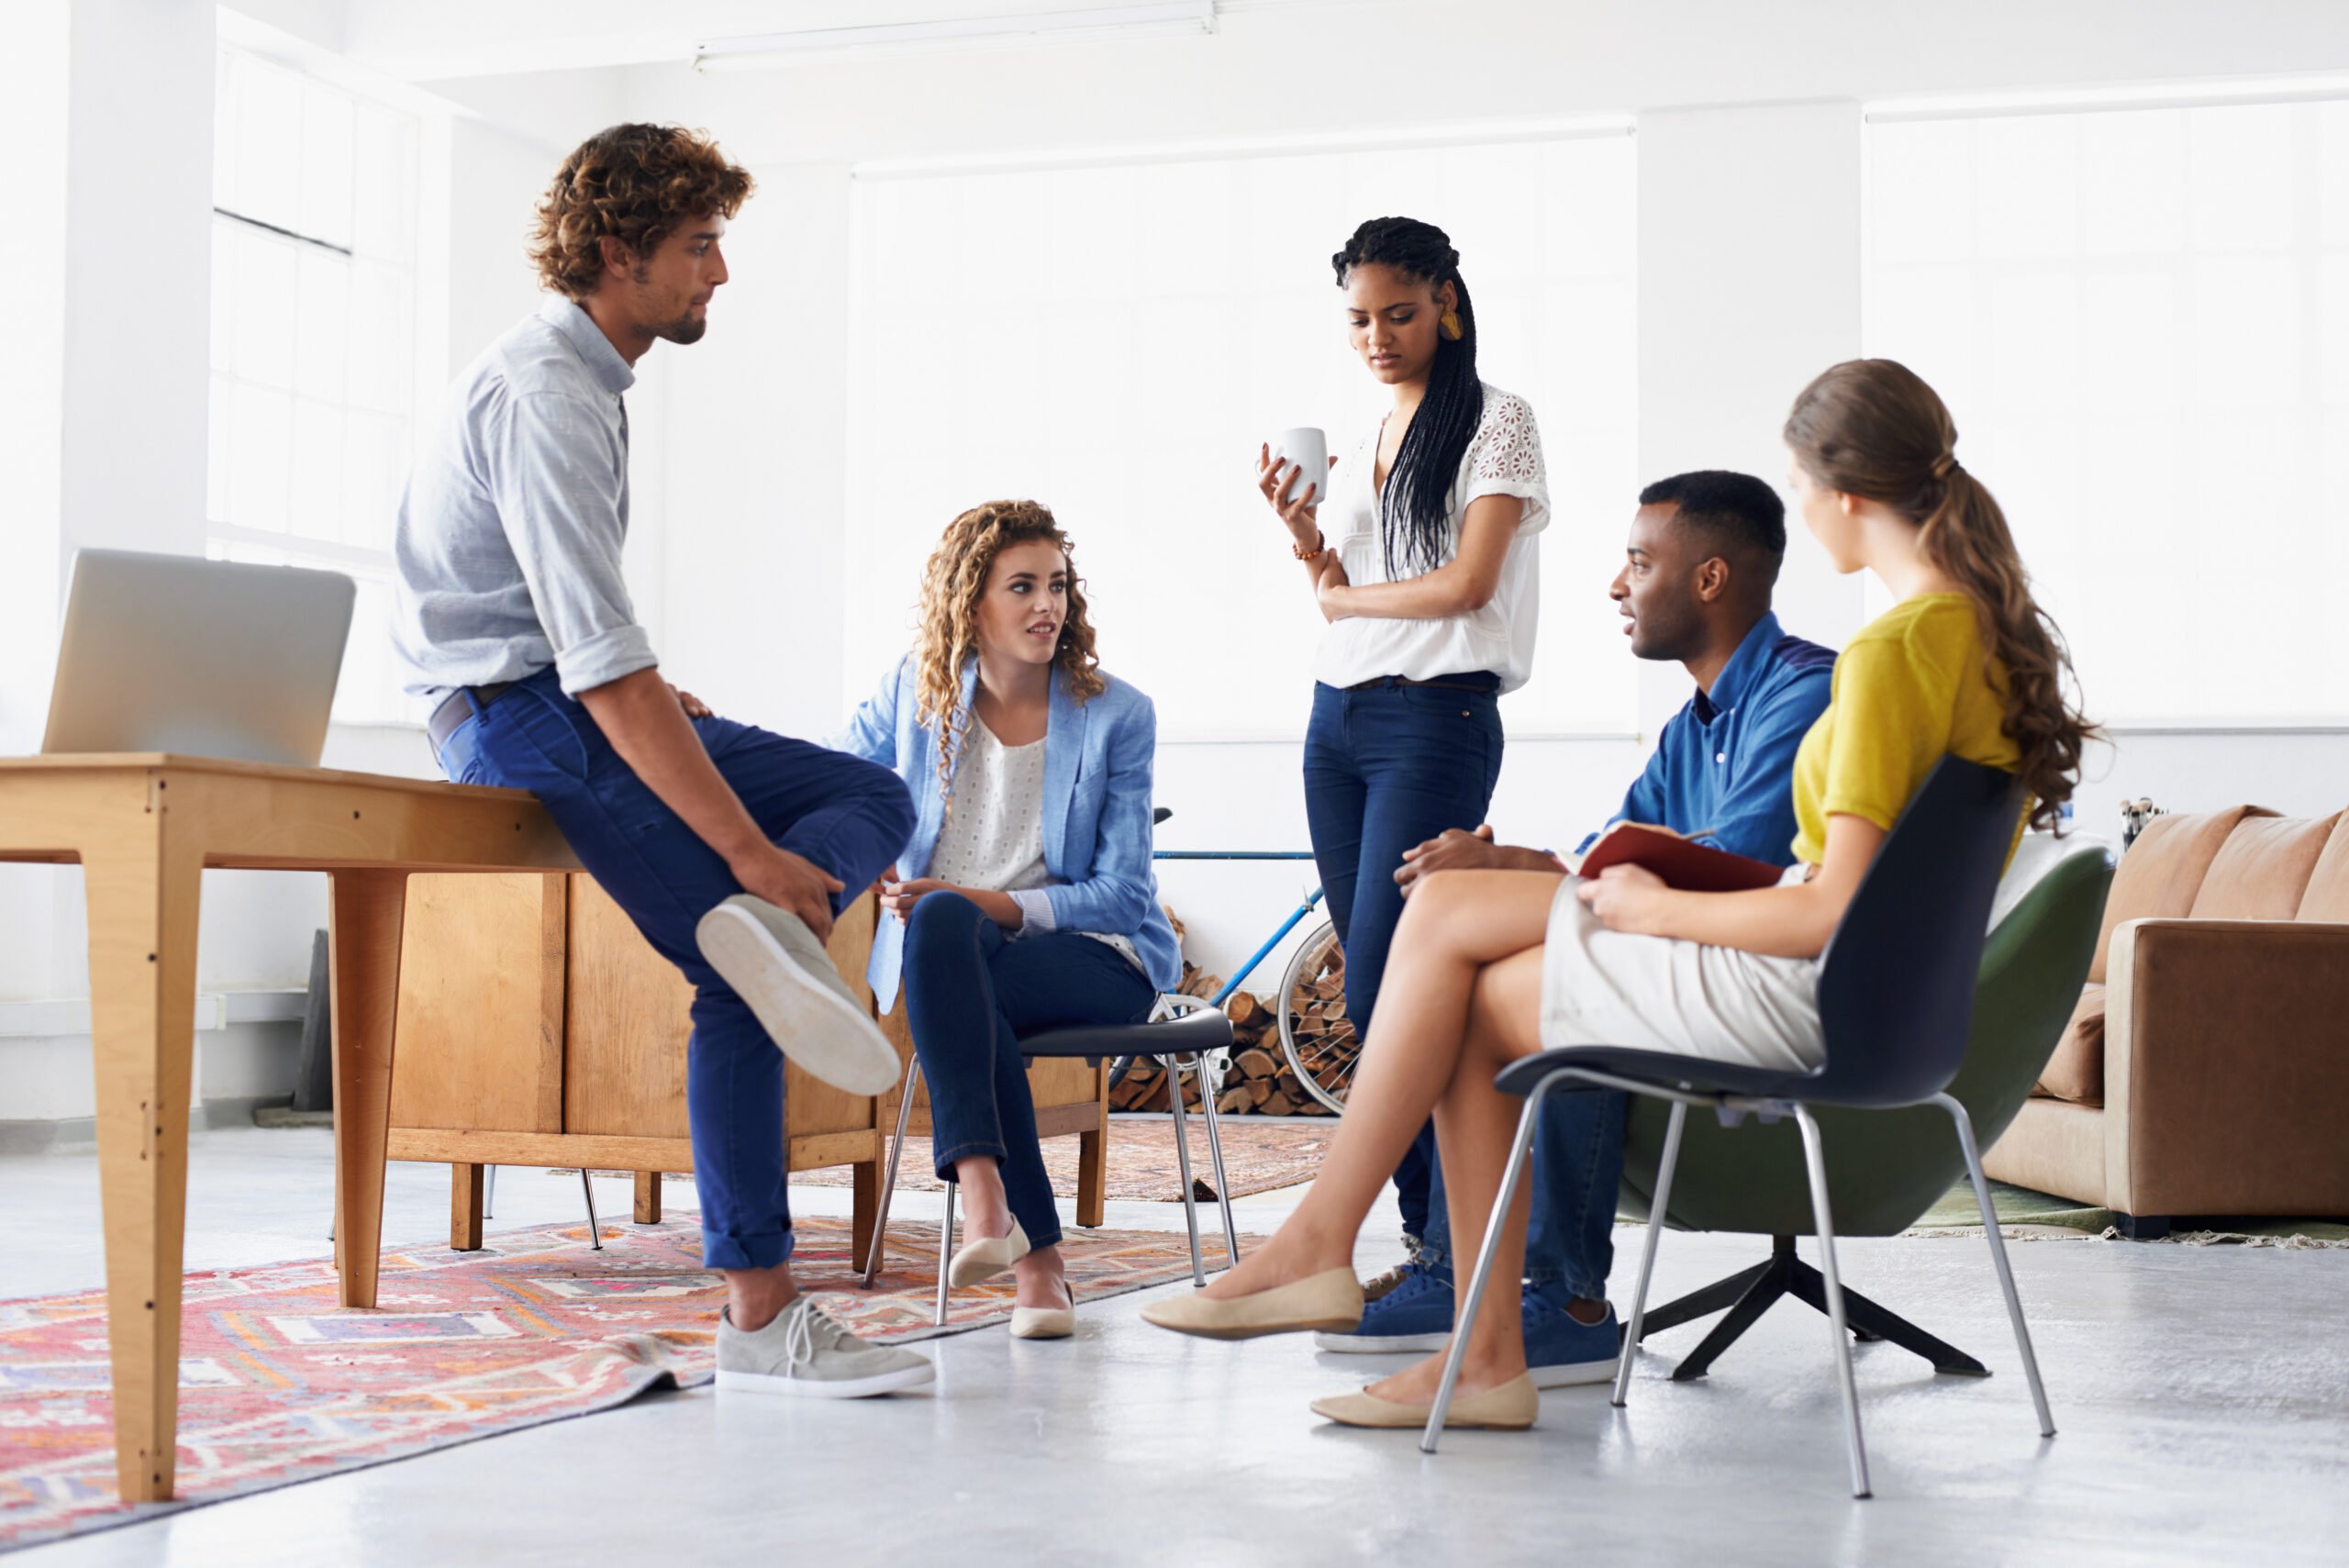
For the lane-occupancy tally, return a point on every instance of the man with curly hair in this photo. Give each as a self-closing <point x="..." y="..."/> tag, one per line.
<point x="731" y="848"/>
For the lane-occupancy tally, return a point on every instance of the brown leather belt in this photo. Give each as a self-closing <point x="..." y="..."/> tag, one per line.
<point x="1477" y="680"/>
<point x="454" y="710"/>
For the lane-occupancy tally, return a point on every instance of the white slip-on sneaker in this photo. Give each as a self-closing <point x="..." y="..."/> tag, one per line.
<point x="774" y="964"/>
<point x="803" y="1354"/>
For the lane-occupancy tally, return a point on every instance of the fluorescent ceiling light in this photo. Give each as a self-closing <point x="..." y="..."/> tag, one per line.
<point x="2190" y="92"/>
<point x="766" y="50"/>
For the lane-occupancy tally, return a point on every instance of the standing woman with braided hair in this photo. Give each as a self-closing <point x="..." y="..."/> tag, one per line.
<point x="1024" y="901"/>
<point x="1425" y="564"/>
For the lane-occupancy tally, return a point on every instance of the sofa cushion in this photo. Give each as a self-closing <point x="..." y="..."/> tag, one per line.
<point x="2262" y="870"/>
<point x="2076" y="1072"/>
<point x="2162" y="870"/>
<point x="2327" y="898"/>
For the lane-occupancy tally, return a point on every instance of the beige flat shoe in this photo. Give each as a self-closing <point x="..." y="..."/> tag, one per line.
<point x="1328" y="1302"/>
<point x="1509" y="1408"/>
<point x="1046" y="1322"/>
<point x="976" y="1261"/>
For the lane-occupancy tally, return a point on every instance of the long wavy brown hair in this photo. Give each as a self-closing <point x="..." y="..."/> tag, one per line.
<point x="635" y="184"/>
<point x="1872" y="428"/>
<point x="950" y="586"/>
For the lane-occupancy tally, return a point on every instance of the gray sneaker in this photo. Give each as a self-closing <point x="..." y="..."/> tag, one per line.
<point x="774" y="962"/>
<point x="803" y="1354"/>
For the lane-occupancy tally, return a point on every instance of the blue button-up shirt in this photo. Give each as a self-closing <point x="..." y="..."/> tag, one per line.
<point x="508" y="545"/>
<point x="1727" y="760"/>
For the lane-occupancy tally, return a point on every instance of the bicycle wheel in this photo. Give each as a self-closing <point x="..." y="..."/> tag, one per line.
<point x="1320" y="1048"/>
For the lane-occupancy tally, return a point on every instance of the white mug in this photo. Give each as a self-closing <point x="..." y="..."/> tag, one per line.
<point x="1306" y="448"/>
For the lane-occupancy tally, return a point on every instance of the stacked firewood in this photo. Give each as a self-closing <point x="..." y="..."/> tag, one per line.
<point x="1259" y="1080"/>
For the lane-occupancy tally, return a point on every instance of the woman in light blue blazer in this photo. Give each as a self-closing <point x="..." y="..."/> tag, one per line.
<point x="1024" y="901"/>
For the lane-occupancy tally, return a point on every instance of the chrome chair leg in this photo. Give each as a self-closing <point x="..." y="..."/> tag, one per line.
<point x="1656" y="1209"/>
<point x="945" y="1251"/>
<point x="1815" y="1162"/>
<point x="873" y="1250"/>
<point x="1965" y="1124"/>
<point x="594" y="1230"/>
<point x="1183" y="1159"/>
<point x="1222" y="1183"/>
<point x="1466" y="1316"/>
<point x="489" y="1194"/>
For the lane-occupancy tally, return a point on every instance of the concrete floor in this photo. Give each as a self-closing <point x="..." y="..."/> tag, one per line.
<point x="2202" y="1397"/>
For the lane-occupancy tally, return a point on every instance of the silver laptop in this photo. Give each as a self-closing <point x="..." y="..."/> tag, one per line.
<point x="205" y="657"/>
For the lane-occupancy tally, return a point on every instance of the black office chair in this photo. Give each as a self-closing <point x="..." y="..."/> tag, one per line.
<point x="1896" y="999"/>
<point x="1179" y="1026"/>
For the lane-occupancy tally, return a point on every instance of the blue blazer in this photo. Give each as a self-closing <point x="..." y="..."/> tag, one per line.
<point x="1097" y="760"/>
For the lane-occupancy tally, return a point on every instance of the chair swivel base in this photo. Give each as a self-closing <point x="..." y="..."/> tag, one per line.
<point x="1750" y="1292"/>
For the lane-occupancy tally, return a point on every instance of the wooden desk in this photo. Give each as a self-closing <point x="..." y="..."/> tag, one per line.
<point x="144" y="828"/>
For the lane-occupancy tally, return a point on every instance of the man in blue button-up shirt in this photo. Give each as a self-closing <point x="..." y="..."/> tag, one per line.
<point x="1697" y="573"/>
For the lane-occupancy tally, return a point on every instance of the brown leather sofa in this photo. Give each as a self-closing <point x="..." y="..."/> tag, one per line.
<point x="2206" y="1070"/>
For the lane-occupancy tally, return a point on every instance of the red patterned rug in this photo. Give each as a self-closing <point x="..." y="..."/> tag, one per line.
<point x="277" y="1384"/>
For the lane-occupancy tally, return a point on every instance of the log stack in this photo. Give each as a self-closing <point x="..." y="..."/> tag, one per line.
<point x="1259" y="1081"/>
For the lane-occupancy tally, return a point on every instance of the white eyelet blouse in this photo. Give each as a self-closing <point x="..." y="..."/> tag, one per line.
<point x="1504" y="457"/>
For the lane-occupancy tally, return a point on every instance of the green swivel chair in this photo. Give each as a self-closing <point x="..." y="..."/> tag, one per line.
<point x="1885" y="1168"/>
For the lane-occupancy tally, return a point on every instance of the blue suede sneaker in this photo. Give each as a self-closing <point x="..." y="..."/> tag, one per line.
<point x="1560" y="1351"/>
<point x="1414" y="1315"/>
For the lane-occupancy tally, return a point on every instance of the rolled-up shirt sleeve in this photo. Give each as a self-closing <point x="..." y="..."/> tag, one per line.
<point x="557" y="477"/>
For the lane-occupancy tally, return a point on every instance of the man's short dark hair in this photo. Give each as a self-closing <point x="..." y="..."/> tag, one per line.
<point x="1742" y="514"/>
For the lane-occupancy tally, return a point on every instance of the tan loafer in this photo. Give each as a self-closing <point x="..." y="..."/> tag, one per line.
<point x="1046" y="1322"/>
<point x="976" y="1261"/>
<point x="1328" y="1302"/>
<point x="1509" y="1408"/>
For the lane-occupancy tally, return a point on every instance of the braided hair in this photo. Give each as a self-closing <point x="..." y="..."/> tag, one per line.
<point x="1415" y="507"/>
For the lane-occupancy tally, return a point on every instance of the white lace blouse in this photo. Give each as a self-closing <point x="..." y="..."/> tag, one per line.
<point x="992" y="837"/>
<point x="1504" y="457"/>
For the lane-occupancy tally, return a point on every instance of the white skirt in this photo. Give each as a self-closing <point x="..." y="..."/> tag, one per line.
<point x="1603" y="987"/>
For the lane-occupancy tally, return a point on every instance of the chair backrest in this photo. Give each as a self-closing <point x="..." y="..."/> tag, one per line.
<point x="1896" y="984"/>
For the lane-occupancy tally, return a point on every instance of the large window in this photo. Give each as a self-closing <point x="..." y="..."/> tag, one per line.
<point x="1115" y="341"/>
<point x="2141" y="321"/>
<point x="313" y="340"/>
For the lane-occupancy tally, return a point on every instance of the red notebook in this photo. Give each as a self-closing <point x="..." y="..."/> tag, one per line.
<point x="1684" y="863"/>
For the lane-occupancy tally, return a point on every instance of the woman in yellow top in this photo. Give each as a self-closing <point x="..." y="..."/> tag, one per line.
<point x="1491" y="965"/>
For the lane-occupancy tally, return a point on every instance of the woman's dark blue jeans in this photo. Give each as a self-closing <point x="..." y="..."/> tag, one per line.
<point x="1388" y="767"/>
<point x="972" y="992"/>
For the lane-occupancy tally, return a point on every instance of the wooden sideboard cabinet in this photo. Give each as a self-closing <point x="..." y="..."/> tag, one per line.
<point x="535" y="1027"/>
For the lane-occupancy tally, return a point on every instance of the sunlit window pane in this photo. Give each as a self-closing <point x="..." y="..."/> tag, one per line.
<point x="1156" y="322"/>
<point x="2146" y="350"/>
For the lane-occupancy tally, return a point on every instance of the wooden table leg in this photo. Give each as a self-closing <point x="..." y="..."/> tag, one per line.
<point x="142" y="902"/>
<point x="648" y="1197"/>
<point x="363" y="947"/>
<point x="864" y="1208"/>
<point x="467" y="1185"/>
<point x="1093" y="1177"/>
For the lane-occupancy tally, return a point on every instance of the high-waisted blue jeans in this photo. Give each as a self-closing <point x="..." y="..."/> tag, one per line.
<point x="1387" y="768"/>
<point x="841" y="812"/>
<point x="972" y="992"/>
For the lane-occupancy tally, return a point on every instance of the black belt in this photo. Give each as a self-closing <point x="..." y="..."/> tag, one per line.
<point x="454" y="710"/>
<point x="1474" y="681"/>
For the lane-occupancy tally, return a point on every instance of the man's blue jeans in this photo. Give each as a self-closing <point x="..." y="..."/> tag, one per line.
<point x="1578" y="1166"/>
<point x="841" y="812"/>
<point x="1387" y="769"/>
<point x="970" y="993"/>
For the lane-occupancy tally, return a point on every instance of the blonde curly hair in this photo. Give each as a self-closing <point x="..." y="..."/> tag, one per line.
<point x="635" y="184"/>
<point x="951" y="588"/>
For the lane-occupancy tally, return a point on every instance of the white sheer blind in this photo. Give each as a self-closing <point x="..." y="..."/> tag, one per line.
<point x="2140" y="320"/>
<point x="1116" y="341"/>
<point x="312" y="342"/>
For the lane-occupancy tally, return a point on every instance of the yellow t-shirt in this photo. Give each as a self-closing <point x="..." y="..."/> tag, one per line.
<point x="1910" y="688"/>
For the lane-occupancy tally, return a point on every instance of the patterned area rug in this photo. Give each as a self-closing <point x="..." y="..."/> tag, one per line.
<point x="278" y="1385"/>
<point x="2021" y="1212"/>
<point x="1259" y="1155"/>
